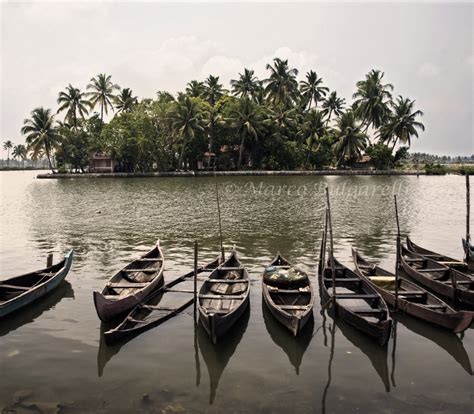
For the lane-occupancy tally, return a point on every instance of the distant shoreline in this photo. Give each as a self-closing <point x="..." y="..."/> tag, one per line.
<point x="230" y="174"/>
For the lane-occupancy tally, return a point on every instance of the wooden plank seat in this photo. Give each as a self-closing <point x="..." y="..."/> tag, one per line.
<point x="124" y="285"/>
<point x="435" y="270"/>
<point x="292" y="307"/>
<point x="224" y="297"/>
<point x="434" y="307"/>
<point x="147" y="269"/>
<point x="129" y="318"/>
<point x="410" y="292"/>
<point x="356" y="296"/>
<point x="369" y="311"/>
<point x="452" y="263"/>
<point x="276" y="290"/>
<point x="162" y="308"/>
<point x="15" y="287"/>
<point x="458" y="282"/>
<point x="228" y="280"/>
<point x="218" y="311"/>
<point x="344" y="279"/>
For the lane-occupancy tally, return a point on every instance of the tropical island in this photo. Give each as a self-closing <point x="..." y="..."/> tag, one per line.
<point x="278" y="123"/>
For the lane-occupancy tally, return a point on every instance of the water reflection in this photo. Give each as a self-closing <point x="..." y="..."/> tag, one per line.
<point x="446" y="340"/>
<point x="30" y="313"/>
<point x="294" y="347"/>
<point x="106" y="352"/>
<point x="216" y="357"/>
<point x="332" y="332"/>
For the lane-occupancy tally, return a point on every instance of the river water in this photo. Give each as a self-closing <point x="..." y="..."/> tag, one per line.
<point x="53" y="353"/>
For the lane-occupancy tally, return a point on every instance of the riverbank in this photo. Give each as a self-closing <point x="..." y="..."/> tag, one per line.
<point x="250" y="173"/>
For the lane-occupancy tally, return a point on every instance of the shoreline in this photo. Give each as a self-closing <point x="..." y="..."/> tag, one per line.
<point x="252" y="173"/>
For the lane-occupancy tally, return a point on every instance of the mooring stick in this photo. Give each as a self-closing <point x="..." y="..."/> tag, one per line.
<point x="196" y="247"/>
<point x="331" y="247"/>
<point x="49" y="260"/>
<point x="468" y="214"/>
<point x="219" y="215"/>
<point x="399" y="247"/>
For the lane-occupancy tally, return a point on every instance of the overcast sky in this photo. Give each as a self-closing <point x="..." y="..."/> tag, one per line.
<point x="425" y="50"/>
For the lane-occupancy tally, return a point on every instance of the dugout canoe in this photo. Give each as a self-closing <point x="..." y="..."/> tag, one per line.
<point x="127" y="288"/>
<point x="439" y="278"/>
<point x="291" y="304"/>
<point x="161" y="305"/>
<point x="20" y="291"/>
<point x="223" y="297"/>
<point x="412" y="298"/>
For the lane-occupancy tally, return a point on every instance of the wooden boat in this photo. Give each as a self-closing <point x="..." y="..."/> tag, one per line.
<point x="447" y="282"/>
<point x="357" y="301"/>
<point x="439" y="258"/>
<point x="161" y="305"/>
<point x="412" y="299"/>
<point x="131" y="285"/>
<point x="291" y="305"/>
<point x="223" y="297"/>
<point x="20" y="291"/>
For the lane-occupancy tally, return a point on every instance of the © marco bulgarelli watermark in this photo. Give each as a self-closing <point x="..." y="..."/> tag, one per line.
<point x="316" y="189"/>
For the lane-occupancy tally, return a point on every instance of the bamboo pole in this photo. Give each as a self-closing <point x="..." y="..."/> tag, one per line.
<point x="331" y="248"/>
<point x="196" y="251"/>
<point x="399" y="247"/>
<point x="219" y="216"/>
<point x="468" y="214"/>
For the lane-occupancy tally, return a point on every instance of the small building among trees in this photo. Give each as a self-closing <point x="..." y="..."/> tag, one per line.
<point x="101" y="162"/>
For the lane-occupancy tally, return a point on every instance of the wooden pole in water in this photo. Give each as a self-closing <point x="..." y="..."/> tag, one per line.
<point x="49" y="260"/>
<point x="196" y="251"/>
<point x="331" y="247"/>
<point x="219" y="216"/>
<point x="399" y="247"/>
<point x="468" y="215"/>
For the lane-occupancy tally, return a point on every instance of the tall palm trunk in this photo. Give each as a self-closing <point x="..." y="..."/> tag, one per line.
<point x="241" y="151"/>
<point x="49" y="158"/>
<point x="181" y="156"/>
<point x="329" y="116"/>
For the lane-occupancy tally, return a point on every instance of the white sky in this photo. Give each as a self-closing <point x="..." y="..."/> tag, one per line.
<point x="425" y="50"/>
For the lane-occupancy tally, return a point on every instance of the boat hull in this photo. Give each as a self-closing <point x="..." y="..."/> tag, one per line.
<point x="38" y="292"/>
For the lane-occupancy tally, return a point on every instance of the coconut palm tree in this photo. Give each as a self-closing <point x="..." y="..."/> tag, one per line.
<point x="213" y="89"/>
<point x="333" y="105"/>
<point x="312" y="130"/>
<point x="281" y="87"/>
<point x="102" y="93"/>
<point x="41" y="135"/>
<point x="351" y="141"/>
<point x="246" y="85"/>
<point x="212" y="119"/>
<point x="125" y="101"/>
<point x="249" y="121"/>
<point x="7" y="146"/>
<point x="312" y="89"/>
<point x="372" y="99"/>
<point x="75" y="103"/>
<point x="401" y="124"/>
<point x="19" y="151"/>
<point x="195" y="89"/>
<point x="187" y="119"/>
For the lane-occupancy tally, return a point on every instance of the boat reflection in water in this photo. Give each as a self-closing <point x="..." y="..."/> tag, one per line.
<point x="332" y="332"/>
<point x="106" y="352"/>
<point x="30" y="313"/>
<point x="216" y="357"/>
<point x="294" y="347"/>
<point x="445" y="339"/>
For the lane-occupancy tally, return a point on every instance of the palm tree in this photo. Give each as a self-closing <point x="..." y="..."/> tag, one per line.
<point x="187" y="119"/>
<point x="312" y="130"/>
<point x="312" y="90"/>
<point x="7" y="146"/>
<point x="372" y="99"/>
<point x="213" y="89"/>
<point x="351" y="141"/>
<point x="282" y="87"/>
<point x="102" y="93"/>
<point x="74" y="101"/>
<point x="212" y="119"/>
<point x="41" y="134"/>
<point x="333" y="105"/>
<point x="249" y="121"/>
<point x="402" y="124"/>
<point x="125" y="101"/>
<point x="195" y="89"/>
<point x="19" y="151"/>
<point x="246" y="85"/>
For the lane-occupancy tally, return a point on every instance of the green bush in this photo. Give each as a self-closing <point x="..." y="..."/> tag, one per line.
<point x="435" y="169"/>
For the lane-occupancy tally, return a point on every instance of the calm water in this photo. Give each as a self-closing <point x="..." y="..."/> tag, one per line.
<point x="53" y="353"/>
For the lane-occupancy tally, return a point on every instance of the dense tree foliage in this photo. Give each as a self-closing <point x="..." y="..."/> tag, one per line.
<point x="275" y="123"/>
